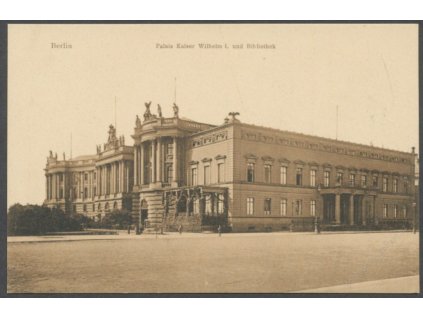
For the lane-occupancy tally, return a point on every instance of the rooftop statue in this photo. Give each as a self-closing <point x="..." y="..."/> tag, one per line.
<point x="159" y="110"/>
<point x="112" y="134"/>
<point x="175" y="110"/>
<point x="147" y="113"/>
<point x="138" y="122"/>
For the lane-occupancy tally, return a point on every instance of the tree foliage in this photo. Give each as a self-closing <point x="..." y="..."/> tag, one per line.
<point x="38" y="220"/>
<point x="117" y="219"/>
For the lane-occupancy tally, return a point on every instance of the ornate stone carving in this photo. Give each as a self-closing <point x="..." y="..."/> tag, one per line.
<point x="175" y="110"/>
<point x="209" y="139"/>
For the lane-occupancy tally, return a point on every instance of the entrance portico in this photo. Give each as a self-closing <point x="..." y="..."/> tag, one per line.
<point x="347" y="206"/>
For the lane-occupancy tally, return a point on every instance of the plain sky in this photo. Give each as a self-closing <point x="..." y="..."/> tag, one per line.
<point x="369" y="71"/>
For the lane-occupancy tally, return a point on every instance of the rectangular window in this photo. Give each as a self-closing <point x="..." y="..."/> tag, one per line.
<point x="298" y="207"/>
<point x="267" y="206"/>
<point x="250" y="172"/>
<point x="312" y="177"/>
<point x="250" y="206"/>
<point x="169" y="173"/>
<point x="385" y="184"/>
<point x="85" y="193"/>
<point x="363" y="181"/>
<point x="194" y="176"/>
<point x="267" y="173"/>
<point x="385" y="210"/>
<point x="395" y="186"/>
<point x="283" y="175"/>
<point x="404" y="211"/>
<point x="299" y="176"/>
<point x="283" y="207"/>
<point x="208" y="206"/>
<point x="169" y="149"/>
<point x="405" y="186"/>
<point x="220" y="172"/>
<point x="340" y="178"/>
<point x="395" y="211"/>
<point x="326" y="178"/>
<point x="352" y="179"/>
<point x="313" y="208"/>
<point x="206" y="174"/>
<point x="375" y="181"/>
<point x="85" y="176"/>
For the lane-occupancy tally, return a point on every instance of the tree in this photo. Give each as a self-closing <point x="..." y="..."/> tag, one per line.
<point x="119" y="219"/>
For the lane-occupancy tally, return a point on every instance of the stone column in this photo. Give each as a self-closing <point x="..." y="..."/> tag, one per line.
<point x="159" y="163"/>
<point x="47" y="187"/>
<point x="142" y="171"/>
<point x="97" y="179"/>
<point x="153" y="161"/>
<point x="127" y="177"/>
<point x="363" y="211"/>
<point x="175" y="160"/>
<point x="136" y="165"/>
<point x="121" y="176"/>
<point x="337" y="208"/>
<point x="351" y="209"/>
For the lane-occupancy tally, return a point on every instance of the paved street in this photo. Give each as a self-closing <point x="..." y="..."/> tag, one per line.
<point x="262" y="262"/>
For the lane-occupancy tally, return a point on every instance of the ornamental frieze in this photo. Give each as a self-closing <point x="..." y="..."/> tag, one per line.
<point x="321" y="146"/>
<point x="209" y="139"/>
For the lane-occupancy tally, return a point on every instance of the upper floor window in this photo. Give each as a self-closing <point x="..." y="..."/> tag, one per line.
<point x="250" y="206"/>
<point x="206" y="174"/>
<point x="299" y="176"/>
<point x="326" y="178"/>
<point x="385" y="210"/>
<point x="169" y="173"/>
<point x="375" y="181"/>
<point x="250" y="172"/>
<point x="283" y="175"/>
<point x="85" y="193"/>
<point x="267" y="206"/>
<point x="340" y="177"/>
<point x="363" y="180"/>
<point x="395" y="185"/>
<point x="313" y="208"/>
<point x="267" y="173"/>
<point x="169" y="148"/>
<point x="312" y="177"/>
<point x="405" y="186"/>
<point x="385" y="184"/>
<point x="194" y="176"/>
<point x="221" y="172"/>
<point x="352" y="179"/>
<point x="283" y="207"/>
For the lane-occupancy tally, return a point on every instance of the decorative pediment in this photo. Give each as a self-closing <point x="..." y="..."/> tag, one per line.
<point x="374" y="171"/>
<point x="327" y="165"/>
<point x="284" y="161"/>
<point x="395" y="174"/>
<point x="193" y="162"/>
<point x="313" y="164"/>
<point x="267" y="159"/>
<point x="340" y="167"/>
<point x="353" y="169"/>
<point x="386" y="173"/>
<point x="364" y="170"/>
<point x="220" y="157"/>
<point x="206" y="159"/>
<point x="299" y="162"/>
<point x="251" y="157"/>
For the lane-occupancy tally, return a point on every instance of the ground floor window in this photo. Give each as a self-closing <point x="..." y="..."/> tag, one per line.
<point x="196" y="206"/>
<point x="298" y="207"/>
<point x="220" y="203"/>
<point x="385" y="210"/>
<point x="250" y="206"/>
<point x="313" y="208"/>
<point x="395" y="211"/>
<point x="267" y="206"/>
<point x="404" y="211"/>
<point x="283" y="207"/>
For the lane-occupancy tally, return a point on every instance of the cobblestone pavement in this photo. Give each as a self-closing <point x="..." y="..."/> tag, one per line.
<point x="207" y="263"/>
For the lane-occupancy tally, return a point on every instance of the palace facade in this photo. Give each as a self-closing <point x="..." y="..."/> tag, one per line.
<point x="240" y="176"/>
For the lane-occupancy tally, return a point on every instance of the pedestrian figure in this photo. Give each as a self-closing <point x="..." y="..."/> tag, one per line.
<point x="129" y="229"/>
<point x="219" y="230"/>
<point x="180" y="229"/>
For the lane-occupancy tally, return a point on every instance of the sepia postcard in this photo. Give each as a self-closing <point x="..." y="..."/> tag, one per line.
<point x="213" y="158"/>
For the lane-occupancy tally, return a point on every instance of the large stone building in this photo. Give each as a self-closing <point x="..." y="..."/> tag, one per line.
<point x="241" y="176"/>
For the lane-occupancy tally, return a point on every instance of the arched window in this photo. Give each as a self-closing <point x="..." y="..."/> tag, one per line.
<point x="99" y="207"/>
<point x="106" y="207"/>
<point x="115" y="206"/>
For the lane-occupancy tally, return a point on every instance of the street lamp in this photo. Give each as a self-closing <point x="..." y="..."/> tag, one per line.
<point x="317" y="216"/>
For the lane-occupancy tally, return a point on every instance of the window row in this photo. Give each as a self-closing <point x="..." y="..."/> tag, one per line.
<point x="297" y="207"/>
<point x="394" y="211"/>
<point x="353" y="179"/>
<point x="207" y="174"/>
